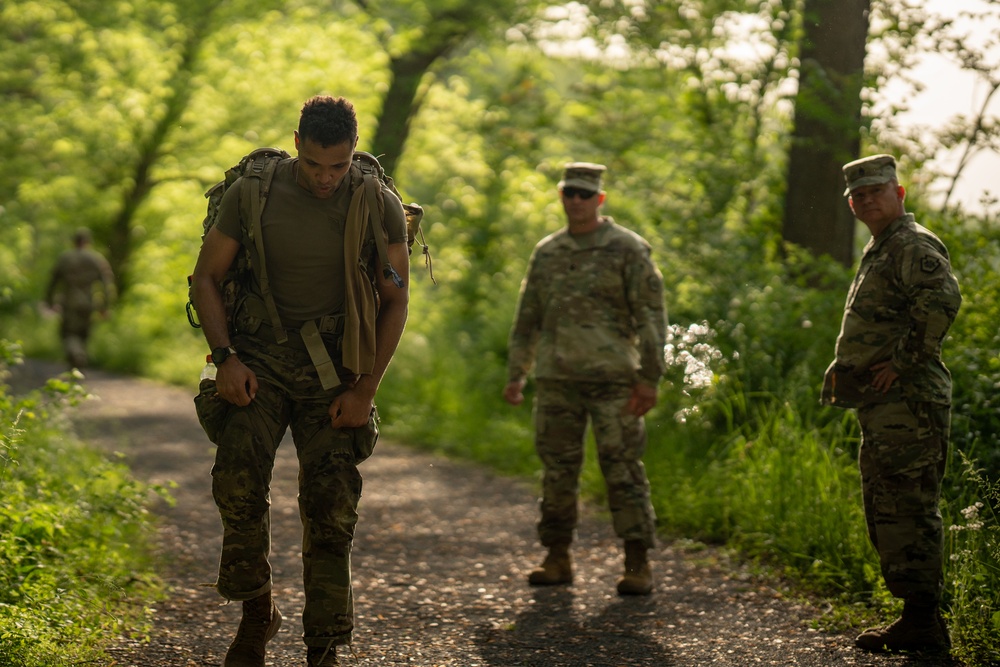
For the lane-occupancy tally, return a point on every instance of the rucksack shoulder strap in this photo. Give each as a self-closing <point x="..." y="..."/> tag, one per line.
<point x="256" y="187"/>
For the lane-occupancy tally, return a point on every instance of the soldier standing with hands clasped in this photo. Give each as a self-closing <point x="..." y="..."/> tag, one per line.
<point x="888" y="366"/>
<point x="591" y="313"/>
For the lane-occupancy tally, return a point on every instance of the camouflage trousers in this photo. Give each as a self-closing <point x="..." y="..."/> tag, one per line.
<point x="290" y="395"/>
<point x="74" y="330"/>
<point x="562" y="410"/>
<point x="902" y="460"/>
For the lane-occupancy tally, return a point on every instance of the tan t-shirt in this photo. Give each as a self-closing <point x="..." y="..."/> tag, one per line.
<point x="304" y="242"/>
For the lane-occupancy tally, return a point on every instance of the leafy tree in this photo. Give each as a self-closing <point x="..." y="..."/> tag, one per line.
<point x="419" y="35"/>
<point x="907" y="34"/>
<point x="152" y="143"/>
<point x="713" y="157"/>
<point x="94" y="90"/>
<point x="126" y="75"/>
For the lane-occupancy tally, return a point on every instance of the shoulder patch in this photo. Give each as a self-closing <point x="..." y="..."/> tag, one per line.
<point x="929" y="264"/>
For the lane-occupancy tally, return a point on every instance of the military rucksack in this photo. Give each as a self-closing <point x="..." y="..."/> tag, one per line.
<point x="257" y="170"/>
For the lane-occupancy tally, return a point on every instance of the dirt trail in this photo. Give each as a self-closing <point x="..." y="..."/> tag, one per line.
<point x="440" y="564"/>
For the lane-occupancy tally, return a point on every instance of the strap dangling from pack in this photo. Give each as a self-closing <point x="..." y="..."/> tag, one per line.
<point x="319" y="355"/>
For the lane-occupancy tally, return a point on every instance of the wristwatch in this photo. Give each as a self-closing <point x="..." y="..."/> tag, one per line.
<point x="220" y="354"/>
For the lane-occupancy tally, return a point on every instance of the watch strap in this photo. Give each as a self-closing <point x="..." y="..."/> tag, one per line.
<point x="220" y="354"/>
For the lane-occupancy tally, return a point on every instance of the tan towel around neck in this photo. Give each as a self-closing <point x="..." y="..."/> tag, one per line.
<point x="359" y="297"/>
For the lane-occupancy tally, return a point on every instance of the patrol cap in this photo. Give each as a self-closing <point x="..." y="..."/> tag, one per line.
<point x="870" y="170"/>
<point x="583" y="175"/>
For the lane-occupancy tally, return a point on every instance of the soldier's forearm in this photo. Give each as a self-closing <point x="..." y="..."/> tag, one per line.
<point x="211" y="312"/>
<point x="388" y="332"/>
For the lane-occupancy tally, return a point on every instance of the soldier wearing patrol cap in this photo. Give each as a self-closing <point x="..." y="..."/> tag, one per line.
<point x="873" y="170"/>
<point x="585" y="175"/>
<point x="591" y="321"/>
<point x="888" y="367"/>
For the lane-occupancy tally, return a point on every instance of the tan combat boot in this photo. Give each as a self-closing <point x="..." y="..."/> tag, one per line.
<point x="261" y="620"/>
<point x="638" y="579"/>
<point x="555" y="569"/>
<point x="920" y="628"/>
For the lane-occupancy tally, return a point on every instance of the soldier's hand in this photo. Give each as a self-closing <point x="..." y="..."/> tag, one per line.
<point x="884" y="376"/>
<point x="235" y="382"/>
<point x="350" y="409"/>
<point x="642" y="400"/>
<point x="513" y="392"/>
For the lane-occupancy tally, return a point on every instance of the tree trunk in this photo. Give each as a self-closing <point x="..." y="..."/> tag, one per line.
<point x="448" y="25"/>
<point x="827" y="132"/>
<point x="120" y="242"/>
<point x="402" y="102"/>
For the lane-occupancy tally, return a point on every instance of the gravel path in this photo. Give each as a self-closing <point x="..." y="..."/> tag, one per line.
<point x="440" y="564"/>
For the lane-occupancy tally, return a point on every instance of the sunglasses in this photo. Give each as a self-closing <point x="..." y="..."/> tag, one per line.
<point x="569" y="193"/>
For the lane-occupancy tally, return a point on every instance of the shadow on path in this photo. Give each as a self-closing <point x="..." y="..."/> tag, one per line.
<point x="550" y="631"/>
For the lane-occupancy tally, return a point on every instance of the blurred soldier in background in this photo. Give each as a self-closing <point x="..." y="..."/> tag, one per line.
<point x="71" y="294"/>
<point x="888" y="366"/>
<point x="591" y="313"/>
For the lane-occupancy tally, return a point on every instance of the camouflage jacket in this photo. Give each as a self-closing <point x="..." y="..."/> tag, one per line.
<point x="591" y="308"/>
<point x="899" y="308"/>
<point x="74" y="276"/>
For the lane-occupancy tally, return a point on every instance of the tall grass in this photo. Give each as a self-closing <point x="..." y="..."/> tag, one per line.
<point x="755" y="470"/>
<point x="75" y="569"/>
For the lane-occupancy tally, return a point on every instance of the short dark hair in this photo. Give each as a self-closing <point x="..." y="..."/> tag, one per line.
<point x="328" y="121"/>
<point x="81" y="236"/>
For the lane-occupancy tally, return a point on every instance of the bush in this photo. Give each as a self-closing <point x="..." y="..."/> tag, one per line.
<point x="75" y="565"/>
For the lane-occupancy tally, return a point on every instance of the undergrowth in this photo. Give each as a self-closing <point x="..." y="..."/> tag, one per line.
<point x="75" y="568"/>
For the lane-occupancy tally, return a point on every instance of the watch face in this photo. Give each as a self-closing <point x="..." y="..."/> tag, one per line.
<point x="220" y="354"/>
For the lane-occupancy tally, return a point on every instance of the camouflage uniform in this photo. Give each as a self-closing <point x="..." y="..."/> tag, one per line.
<point x="71" y="288"/>
<point x="591" y="315"/>
<point x="291" y="395"/>
<point x="899" y="308"/>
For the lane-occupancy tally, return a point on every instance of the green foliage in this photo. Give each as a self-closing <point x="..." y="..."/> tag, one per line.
<point x="74" y="534"/>
<point x="971" y="494"/>
<point x="741" y="452"/>
<point x="80" y="91"/>
<point x="971" y="349"/>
